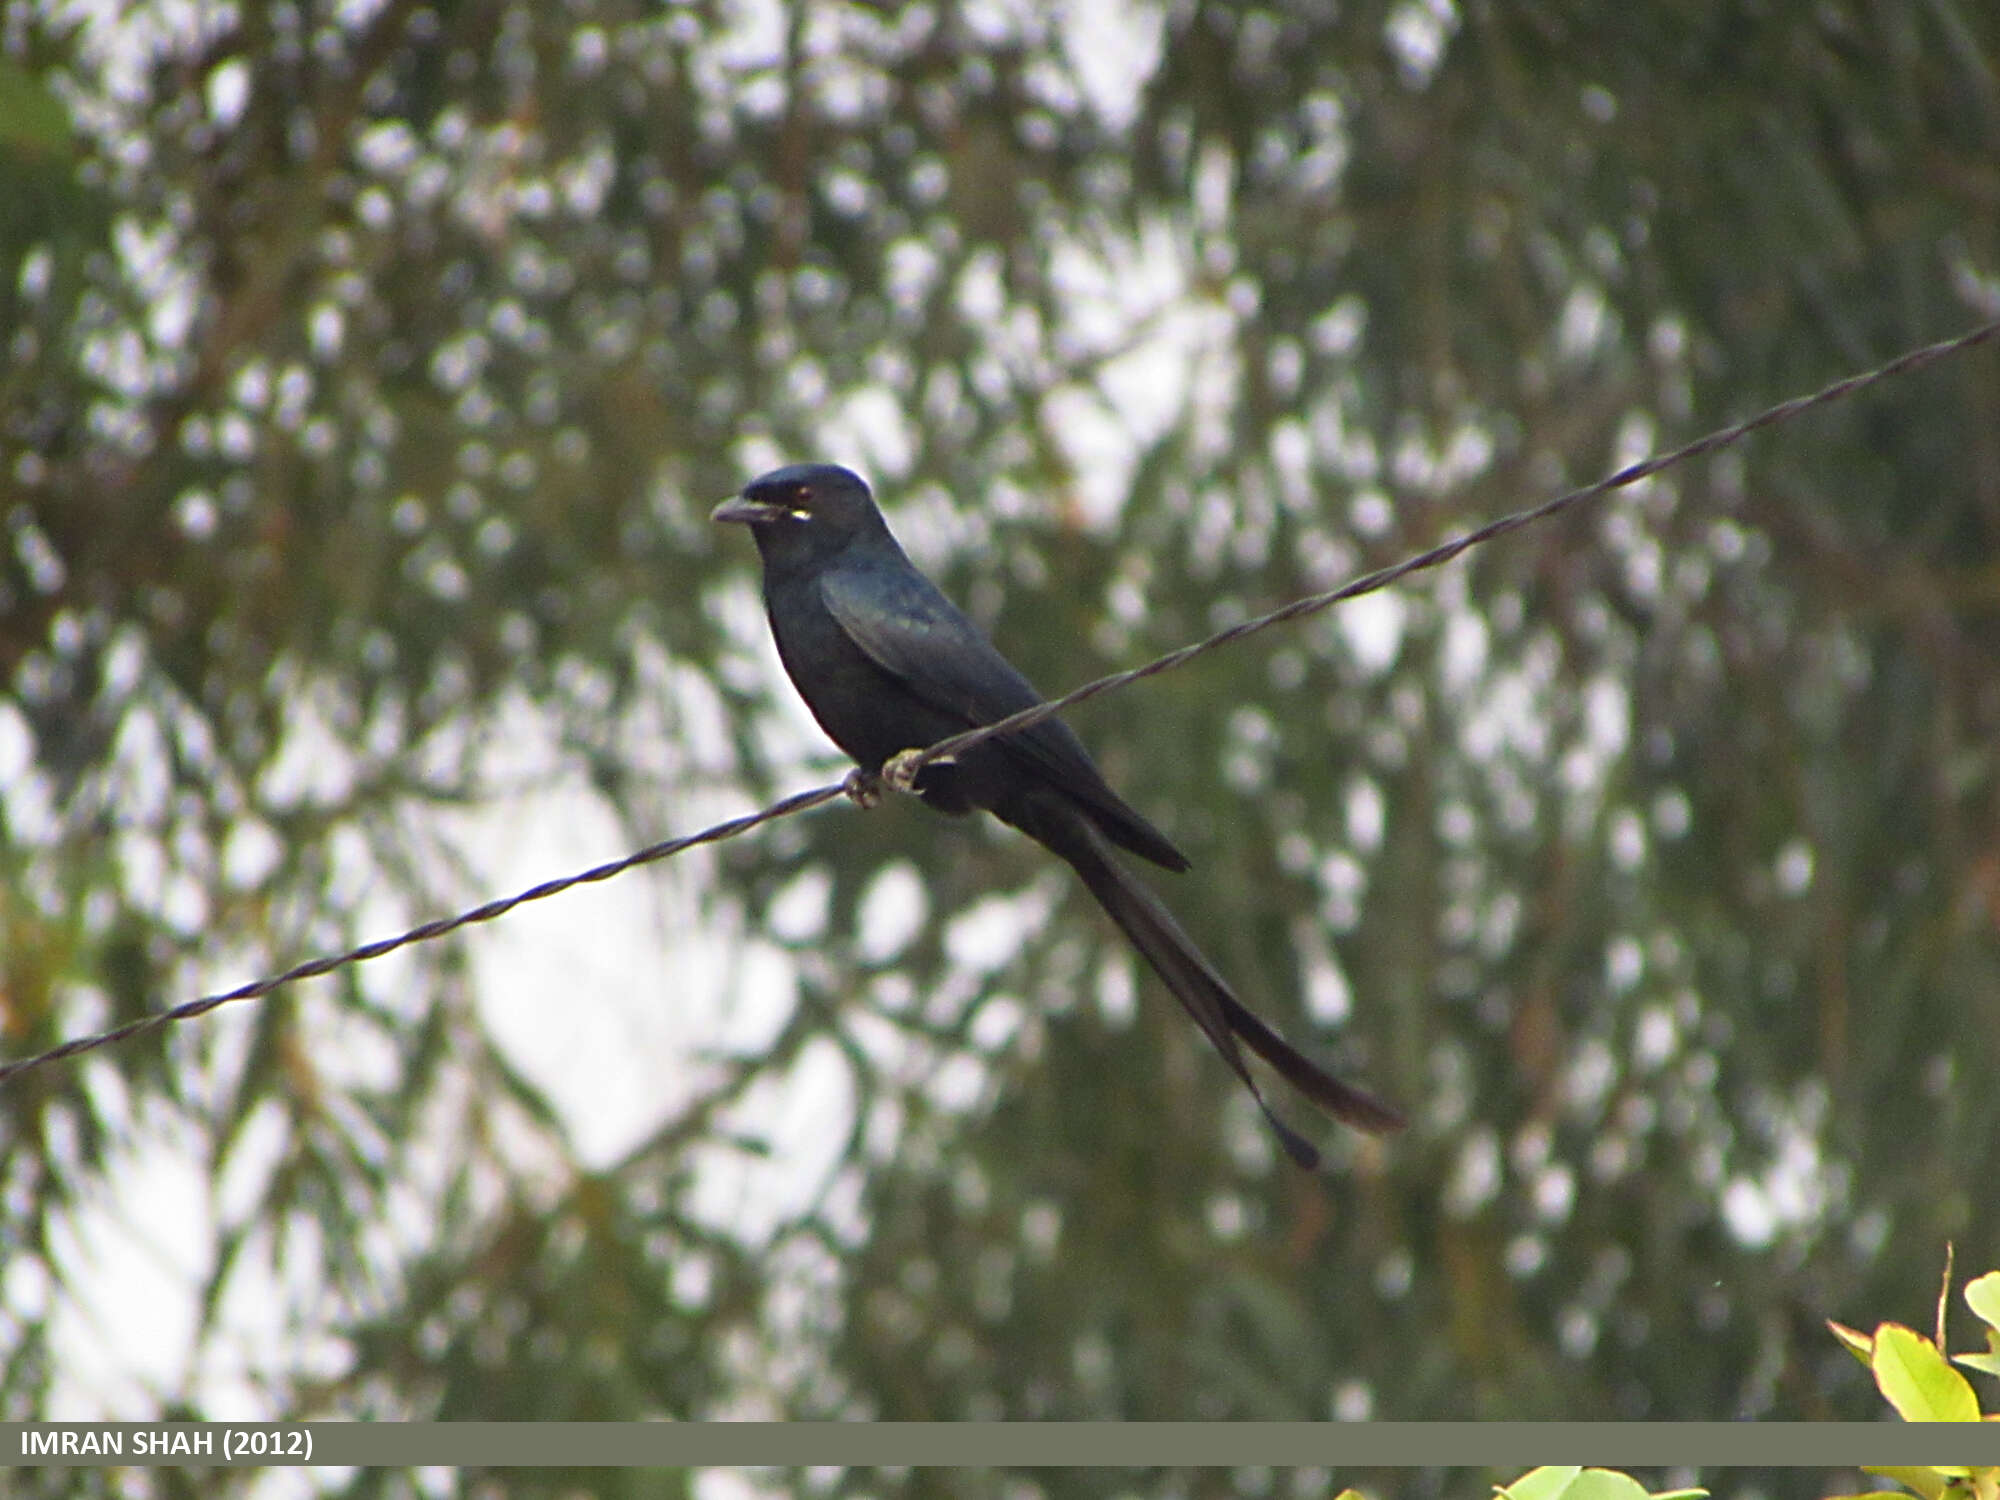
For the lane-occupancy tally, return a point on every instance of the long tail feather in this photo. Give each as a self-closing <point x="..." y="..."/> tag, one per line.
<point x="1206" y="996"/>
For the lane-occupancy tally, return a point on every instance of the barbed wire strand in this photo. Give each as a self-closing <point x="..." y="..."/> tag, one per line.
<point x="902" y="769"/>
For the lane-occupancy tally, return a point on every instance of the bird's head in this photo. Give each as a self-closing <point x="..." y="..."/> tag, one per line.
<point x="804" y="510"/>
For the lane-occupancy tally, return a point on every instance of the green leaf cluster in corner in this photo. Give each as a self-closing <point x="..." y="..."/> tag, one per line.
<point x="1916" y="1377"/>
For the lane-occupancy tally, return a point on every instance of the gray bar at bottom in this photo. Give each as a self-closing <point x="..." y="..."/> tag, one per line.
<point x="1494" y="1445"/>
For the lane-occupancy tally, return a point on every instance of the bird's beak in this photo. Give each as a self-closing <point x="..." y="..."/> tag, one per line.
<point x="749" y="512"/>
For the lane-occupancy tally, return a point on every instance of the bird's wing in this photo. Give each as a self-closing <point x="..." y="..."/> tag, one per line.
<point x="912" y="632"/>
<point x="916" y="635"/>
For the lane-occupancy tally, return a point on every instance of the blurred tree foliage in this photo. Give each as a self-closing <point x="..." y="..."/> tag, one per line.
<point x="368" y="372"/>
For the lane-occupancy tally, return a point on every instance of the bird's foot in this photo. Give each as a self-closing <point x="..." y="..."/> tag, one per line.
<point x="901" y="769"/>
<point x="863" y="788"/>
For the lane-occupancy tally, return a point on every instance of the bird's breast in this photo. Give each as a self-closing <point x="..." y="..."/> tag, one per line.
<point x="866" y="711"/>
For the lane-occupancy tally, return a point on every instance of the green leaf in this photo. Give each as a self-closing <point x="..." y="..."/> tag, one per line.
<point x="1986" y="1364"/>
<point x="1926" y="1482"/>
<point x="1982" y="1295"/>
<point x="1604" y="1484"/>
<point x="1856" y="1342"/>
<point x="1571" y="1483"/>
<point x="1549" y="1483"/>
<point x="1918" y="1381"/>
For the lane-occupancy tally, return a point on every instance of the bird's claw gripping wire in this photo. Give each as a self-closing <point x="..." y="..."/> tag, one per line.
<point x="899" y="773"/>
<point x="901" y="769"/>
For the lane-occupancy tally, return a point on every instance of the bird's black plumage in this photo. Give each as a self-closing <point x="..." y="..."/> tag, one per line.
<point x="886" y="663"/>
